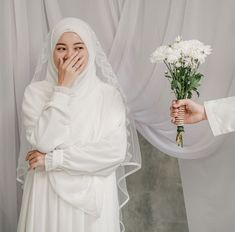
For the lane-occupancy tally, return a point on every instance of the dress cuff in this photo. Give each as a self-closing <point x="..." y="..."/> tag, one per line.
<point x="53" y="160"/>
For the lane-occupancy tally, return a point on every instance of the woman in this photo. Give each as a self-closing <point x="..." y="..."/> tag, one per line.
<point x="77" y="126"/>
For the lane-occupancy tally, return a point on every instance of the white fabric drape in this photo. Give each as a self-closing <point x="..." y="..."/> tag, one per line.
<point x="129" y="31"/>
<point x="13" y="76"/>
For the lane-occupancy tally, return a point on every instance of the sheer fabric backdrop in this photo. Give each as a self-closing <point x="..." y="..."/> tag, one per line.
<point x="129" y="31"/>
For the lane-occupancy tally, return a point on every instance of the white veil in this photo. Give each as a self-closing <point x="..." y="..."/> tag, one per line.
<point x="105" y="72"/>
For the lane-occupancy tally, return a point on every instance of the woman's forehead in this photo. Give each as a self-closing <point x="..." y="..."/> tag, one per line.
<point x="70" y="37"/>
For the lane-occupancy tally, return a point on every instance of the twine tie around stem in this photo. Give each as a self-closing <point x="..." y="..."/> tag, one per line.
<point x="180" y="125"/>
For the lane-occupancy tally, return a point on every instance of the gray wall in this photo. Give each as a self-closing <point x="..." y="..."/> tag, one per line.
<point x="157" y="203"/>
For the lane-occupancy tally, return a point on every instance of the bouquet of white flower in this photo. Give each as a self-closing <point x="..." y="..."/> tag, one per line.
<point x="182" y="59"/>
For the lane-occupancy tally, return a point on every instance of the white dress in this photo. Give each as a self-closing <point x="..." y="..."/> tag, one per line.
<point x="221" y="115"/>
<point x="84" y="138"/>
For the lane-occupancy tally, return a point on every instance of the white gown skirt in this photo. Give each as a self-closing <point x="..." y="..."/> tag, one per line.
<point x="42" y="210"/>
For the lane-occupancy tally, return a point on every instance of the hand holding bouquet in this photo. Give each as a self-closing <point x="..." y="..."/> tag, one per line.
<point x="182" y="59"/>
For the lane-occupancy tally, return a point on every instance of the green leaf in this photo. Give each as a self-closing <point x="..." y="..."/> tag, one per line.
<point x="179" y="86"/>
<point x="189" y="94"/>
<point x="174" y="84"/>
<point x="168" y="76"/>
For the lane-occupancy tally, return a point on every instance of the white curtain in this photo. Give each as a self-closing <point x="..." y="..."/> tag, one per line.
<point x="14" y="66"/>
<point x="129" y="32"/>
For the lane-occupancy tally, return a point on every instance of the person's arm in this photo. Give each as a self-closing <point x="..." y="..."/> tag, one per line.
<point x="50" y="122"/>
<point x="47" y="124"/>
<point x="93" y="158"/>
<point x="99" y="157"/>
<point x="221" y="115"/>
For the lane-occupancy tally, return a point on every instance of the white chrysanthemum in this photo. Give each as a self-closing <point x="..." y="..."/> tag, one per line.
<point x="178" y="39"/>
<point x="173" y="55"/>
<point x="165" y="53"/>
<point x="189" y="52"/>
<point x="159" y="55"/>
<point x="178" y="64"/>
<point x="207" y="49"/>
<point x="188" y="62"/>
<point x="193" y="49"/>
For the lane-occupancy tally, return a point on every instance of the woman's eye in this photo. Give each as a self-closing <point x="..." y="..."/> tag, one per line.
<point x="78" y="48"/>
<point x="61" y="49"/>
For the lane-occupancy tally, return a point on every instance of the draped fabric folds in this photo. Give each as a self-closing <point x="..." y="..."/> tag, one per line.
<point x="129" y="31"/>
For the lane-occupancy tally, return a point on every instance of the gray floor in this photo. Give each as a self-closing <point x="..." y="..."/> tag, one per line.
<point x="157" y="203"/>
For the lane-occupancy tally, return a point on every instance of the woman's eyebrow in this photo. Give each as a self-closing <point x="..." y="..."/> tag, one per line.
<point x="63" y="44"/>
<point x="60" y="44"/>
<point x="78" y="43"/>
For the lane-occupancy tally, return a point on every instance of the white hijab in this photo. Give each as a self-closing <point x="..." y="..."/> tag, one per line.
<point x="88" y="79"/>
<point x="79" y="27"/>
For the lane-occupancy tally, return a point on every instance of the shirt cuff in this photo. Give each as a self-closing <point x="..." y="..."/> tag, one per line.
<point x="214" y="121"/>
<point x="53" y="160"/>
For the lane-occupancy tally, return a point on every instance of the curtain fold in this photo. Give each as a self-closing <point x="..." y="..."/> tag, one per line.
<point x="8" y="119"/>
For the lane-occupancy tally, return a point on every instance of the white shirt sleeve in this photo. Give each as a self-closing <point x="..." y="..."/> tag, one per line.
<point x="221" y="115"/>
<point x="47" y="121"/>
<point x="98" y="158"/>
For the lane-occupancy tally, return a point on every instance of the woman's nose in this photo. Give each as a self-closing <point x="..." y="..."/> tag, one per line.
<point x="69" y="53"/>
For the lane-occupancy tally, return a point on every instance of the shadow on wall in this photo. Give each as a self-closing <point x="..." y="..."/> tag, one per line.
<point x="157" y="202"/>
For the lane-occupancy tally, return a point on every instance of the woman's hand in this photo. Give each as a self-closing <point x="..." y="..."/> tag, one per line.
<point x="36" y="159"/>
<point x="193" y="112"/>
<point x="69" y="69"/>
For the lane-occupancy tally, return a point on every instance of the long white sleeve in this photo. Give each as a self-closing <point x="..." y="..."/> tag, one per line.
<point x="84" y="138"/>
<point x="97" y="158"/>
<point x="46" y="121"/>
<point x="221" y="115"/>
